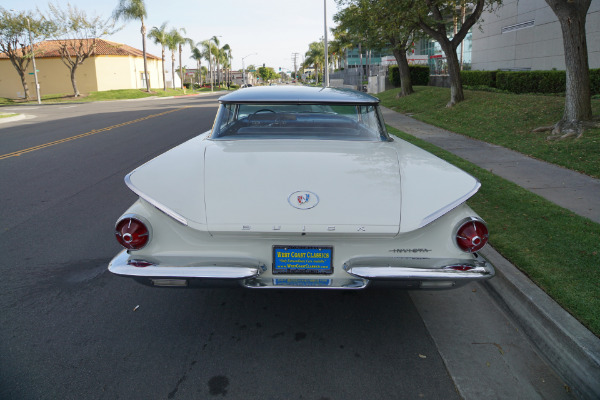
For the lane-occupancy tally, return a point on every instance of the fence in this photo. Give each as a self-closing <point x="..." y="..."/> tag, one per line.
<point x="358" y="76"/>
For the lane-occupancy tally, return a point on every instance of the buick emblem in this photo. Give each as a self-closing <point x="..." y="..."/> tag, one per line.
<point x="303" y="200"/>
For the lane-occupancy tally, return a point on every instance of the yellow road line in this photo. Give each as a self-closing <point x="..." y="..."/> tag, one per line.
<point x="90" y="133"/>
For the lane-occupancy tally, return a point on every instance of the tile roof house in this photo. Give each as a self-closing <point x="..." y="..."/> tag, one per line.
<point x="111" y="66"/>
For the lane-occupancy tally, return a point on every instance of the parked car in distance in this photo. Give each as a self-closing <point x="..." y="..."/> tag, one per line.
<point x="300" y="187"/>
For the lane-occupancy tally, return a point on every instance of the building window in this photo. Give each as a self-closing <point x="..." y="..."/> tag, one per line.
<point x="516" y="27"/>
<point x="142" y="82"/>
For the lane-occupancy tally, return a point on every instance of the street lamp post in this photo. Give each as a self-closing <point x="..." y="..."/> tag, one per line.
<point x="244" y="68"/>
<point x="326" y="76"/>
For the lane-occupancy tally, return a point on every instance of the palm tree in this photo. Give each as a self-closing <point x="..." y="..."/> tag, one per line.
<point x="223" y="60"/>
<point x="183" y="41"/>
<point x="198" y="56"/>
<point x="173" y="39"/>
<point x="216" y="52"/>
<point x="203" y="73"/>
<point x="207" y="51"/>
<point x="135" y="9"/>
<point x="315" y="56"/>
<point x="227" y="53"/>
<point x="159" y="36"/>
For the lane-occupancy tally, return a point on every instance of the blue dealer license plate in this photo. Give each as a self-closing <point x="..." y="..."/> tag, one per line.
<point x="302" y="259"/>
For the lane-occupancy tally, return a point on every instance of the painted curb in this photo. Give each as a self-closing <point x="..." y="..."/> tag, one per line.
<point x="564" y="342"/>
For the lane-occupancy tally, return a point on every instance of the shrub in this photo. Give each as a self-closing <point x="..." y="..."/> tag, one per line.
<point x="531" y="81"/>
<point x="479" y="78"/>
<point x="419" y="75"/>
<point x="595" y="81"/>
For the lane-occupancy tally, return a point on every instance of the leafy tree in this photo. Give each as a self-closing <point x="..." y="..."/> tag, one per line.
<point x="133" y="10"/>
<point x="433" y="17"/>
<point x="343" y="42"/>
<point x="77" y="36"/>
<point x="578" y="107"/>
<point x="159" y="36"/>
<point x="14" y="36"/>
<point x="267" y="73"/>
<point x="382" y="24"/>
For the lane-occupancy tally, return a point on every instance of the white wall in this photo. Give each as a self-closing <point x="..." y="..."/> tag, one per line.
<point x="537" y="45"/>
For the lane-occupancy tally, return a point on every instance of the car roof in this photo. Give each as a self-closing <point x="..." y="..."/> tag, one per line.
<point x="298" y="94"/>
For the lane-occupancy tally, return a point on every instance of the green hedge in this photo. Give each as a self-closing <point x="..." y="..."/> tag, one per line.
<point x="479" y="78"/>
<point x="419" y="75"/>
<point x="526" y="81"/>
<point x="531" y="81"/>
<point x="595" y="81"/>
<point x="509" y="81"/>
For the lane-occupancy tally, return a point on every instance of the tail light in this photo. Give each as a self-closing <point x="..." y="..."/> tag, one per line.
<point x="132" y="233"/>
<point x="472" y="235"/>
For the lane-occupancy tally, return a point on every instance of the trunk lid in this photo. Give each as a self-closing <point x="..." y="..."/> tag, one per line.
<point x="285" y="186"/>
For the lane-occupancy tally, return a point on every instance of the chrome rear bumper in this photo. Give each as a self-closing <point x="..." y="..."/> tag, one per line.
<point x="403" y="272"/>
<point x="184" y="267"/>
<point x="420" y="269"/>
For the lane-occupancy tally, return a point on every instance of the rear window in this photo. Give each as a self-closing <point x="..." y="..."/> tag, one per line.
<point x="299" y="121"/>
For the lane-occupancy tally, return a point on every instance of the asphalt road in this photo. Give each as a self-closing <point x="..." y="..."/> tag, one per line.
<point x="71" y="330"/>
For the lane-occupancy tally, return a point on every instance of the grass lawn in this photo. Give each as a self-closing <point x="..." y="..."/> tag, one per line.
<point x="121" y="94"/>
<point x="558" y="250"/>
<point x="7" y="115"/>
<point x="505" y="120"/>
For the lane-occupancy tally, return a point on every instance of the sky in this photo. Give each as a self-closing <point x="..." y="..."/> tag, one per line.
<point x="274" y="29"/>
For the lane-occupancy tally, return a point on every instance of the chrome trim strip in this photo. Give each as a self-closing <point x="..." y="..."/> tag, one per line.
<point x="155" y="203"/>
<point x="432" y="217"/>
<point x="207" y="269"/>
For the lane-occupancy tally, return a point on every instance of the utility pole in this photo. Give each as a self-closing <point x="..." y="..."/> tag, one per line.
<point x="326" y="76"/>
<point x="37" y="85"/>
<point x="295" y="60"/>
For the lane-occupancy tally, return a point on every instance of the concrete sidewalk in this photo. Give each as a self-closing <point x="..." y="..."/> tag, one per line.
<point x="571" y="349"/>
<point x="569" y="189"/>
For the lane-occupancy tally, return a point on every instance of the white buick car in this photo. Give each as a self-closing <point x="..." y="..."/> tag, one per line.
<point x="300" y="187"/>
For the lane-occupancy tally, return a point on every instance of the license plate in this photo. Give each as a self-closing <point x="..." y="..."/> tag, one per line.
<point x="302" y="259"/>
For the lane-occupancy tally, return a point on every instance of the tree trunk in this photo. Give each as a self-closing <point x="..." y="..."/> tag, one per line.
<point x="218" y="76"/>
<point x="572" y="16"/>
<point x="173" y="67"/>
<point x="24" y="83"/>
<point x="456" y="89"/>
<point x="73" y="82"/>
<point x="143" y="31"/>
<point x="438" y="32"/>
<point x="180" y="69"/>
<point x="163" y="68"/>
<point x="404" y="71"/>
